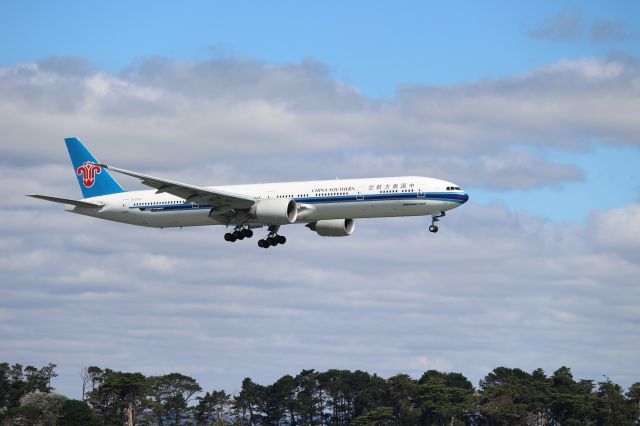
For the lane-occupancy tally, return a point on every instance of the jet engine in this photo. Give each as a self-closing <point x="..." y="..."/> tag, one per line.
<point x="333" y="227"/>
<point x="275" y="211"/>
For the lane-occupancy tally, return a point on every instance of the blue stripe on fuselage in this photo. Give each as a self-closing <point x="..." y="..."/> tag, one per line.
<point x="170" y="207"/>
<point x="430" y="196"/>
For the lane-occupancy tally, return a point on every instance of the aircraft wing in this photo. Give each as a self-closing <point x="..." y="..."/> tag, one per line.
<point x="76" y="203"/>
<point x="191" y="193"/>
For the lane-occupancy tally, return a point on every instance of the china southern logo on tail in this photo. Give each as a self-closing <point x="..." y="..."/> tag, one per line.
<point x="88" y="172"/>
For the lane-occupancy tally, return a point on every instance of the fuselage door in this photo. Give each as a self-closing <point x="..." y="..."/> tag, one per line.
<point x="361" y="191"/>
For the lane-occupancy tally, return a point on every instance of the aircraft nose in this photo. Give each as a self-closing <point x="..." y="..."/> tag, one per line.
<point x="465" y="198"/>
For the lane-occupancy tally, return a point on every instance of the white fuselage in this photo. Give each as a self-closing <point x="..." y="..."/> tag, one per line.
<point x="317" y="200"/>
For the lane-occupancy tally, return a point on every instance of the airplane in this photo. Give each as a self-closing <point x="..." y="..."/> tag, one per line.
<point x="328" y="207"/>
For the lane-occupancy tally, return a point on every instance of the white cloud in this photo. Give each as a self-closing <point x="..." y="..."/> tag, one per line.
<point x="618" y="231"/>
<point x="588" y="69"/>
<point x="242" y="115"/>
<point x="492" y="287"/>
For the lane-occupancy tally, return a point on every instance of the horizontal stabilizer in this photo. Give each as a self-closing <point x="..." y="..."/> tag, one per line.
<point x="65" y="201"/>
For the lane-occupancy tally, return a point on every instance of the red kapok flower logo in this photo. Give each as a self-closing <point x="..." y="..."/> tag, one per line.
<point x="88" y="172"/>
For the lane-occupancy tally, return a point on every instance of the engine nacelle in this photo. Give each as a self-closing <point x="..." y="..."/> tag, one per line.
<point x="275" y="211"/>
<point x="333" y="227"/>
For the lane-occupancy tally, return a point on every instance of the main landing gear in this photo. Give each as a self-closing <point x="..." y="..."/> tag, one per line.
<point x="273" y="239"/>
<point x="240" y="233"/>
<point x="435" y="218"/>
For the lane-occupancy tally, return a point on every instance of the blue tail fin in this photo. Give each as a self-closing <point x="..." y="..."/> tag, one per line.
<point x="93" y="179"/>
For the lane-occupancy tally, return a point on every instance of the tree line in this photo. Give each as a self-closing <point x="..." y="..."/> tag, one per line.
<point x="506" y="396"/>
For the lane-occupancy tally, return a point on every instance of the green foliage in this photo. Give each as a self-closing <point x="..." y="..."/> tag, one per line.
<point x="445" y="398"/>
<point x="279" y="400"/>
<point x="381" y="416"/>
<point x="248" y="401"/>
<point x="47" y="406"/>
<point x="633" y="398"/>
<point x="170" y="395"/>
<point x="572" y="403"/>
<point x="16" y="382"/>
<point x="26" y="415"/>
<point x="77" y="413"/>
<point x="213" y="408"/>
<point x="307" y="387"/>
<point x="403" y="396"/>
<point x="369" y="391"/>
<point x="506" y="396"/>
<point x="93" y="375"/>
<point x="634" y="392"/>
<point x="116" y="392"/>
<point x="611" y="408"/>
<point x="5" y="385"/>
<point x="338" y="394"/>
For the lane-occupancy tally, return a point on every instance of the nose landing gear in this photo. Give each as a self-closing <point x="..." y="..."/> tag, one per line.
<point x="273" y="239"/>
<point x="435" y="218"/>
<point x="240" y="233"/>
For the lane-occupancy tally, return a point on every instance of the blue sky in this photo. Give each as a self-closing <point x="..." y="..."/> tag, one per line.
<point x="611" y="180"/>
<point x="531" y="107"/>
<point x="375" y="47"/>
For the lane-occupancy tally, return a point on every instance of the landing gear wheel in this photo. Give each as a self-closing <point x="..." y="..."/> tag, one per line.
<point x="247" y="233"/>
<point x="238" y="235"/>
<point x="228" y="237"/>
<point x="435" y="218"/>
<point x="272" y="239"/>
